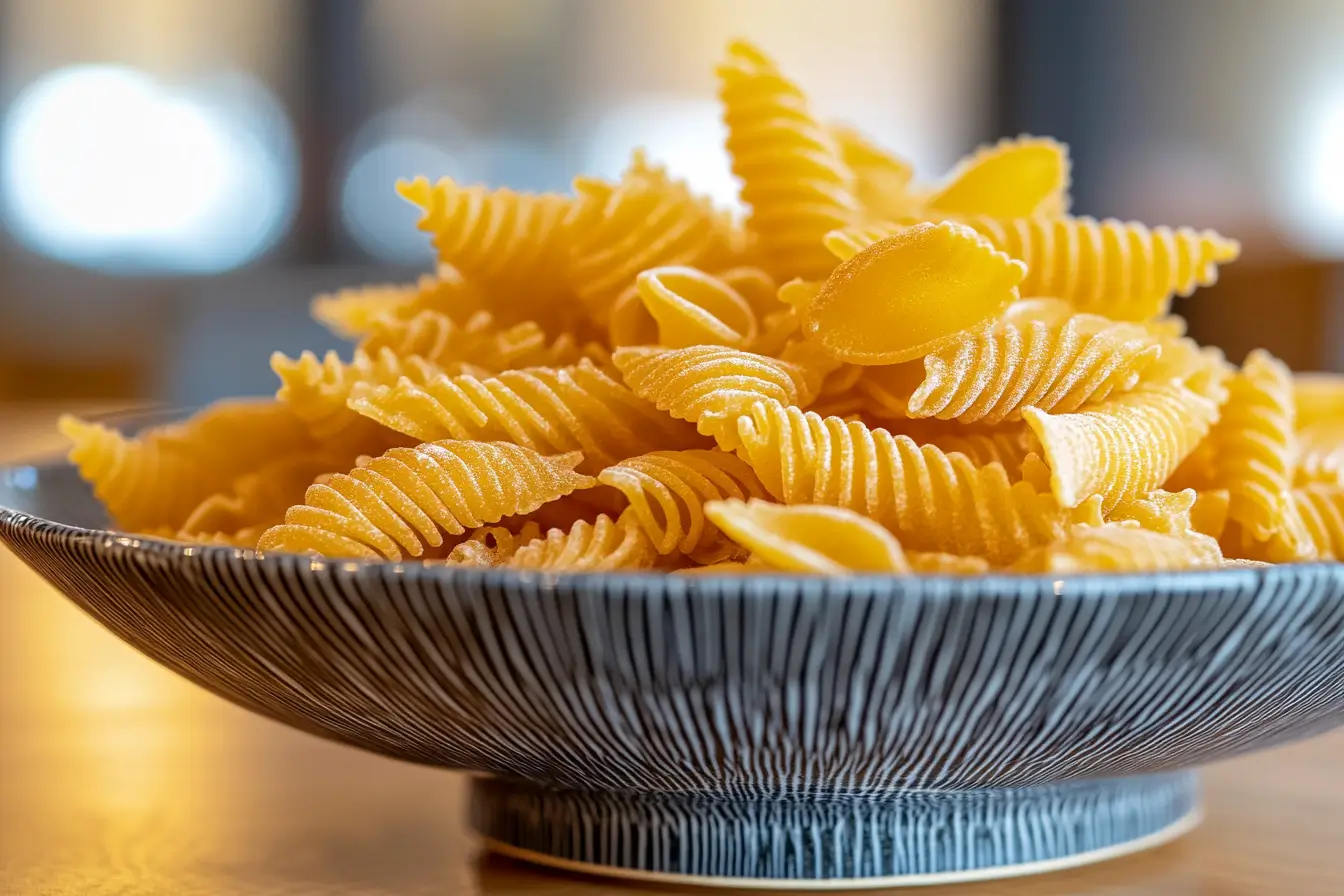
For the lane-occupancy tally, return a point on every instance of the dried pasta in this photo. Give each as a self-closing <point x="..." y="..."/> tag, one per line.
<point x="842" y="379"/>
<point x="712" y="386"/>
<point x="1038" y="354"/>
<point x="667" y="491"/>
<point x="910" y="293"/>
<point x="407" y="499"/>
<point x="553" y="410"/>
<point x="646" y="220"/>
<point x="1011" y="179"/>
<point x="809" y="538"/>
<point x="932" y="501"/>
<point x="1123" y="447"/>
<point x="793" y="176"/>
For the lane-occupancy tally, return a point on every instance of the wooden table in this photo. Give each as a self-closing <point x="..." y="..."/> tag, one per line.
<point x="117" y="777"/>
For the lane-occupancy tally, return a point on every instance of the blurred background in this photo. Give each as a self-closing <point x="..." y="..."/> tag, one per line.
<point x="179" y="177"/>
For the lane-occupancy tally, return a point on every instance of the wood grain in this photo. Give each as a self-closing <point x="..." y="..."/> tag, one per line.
<point x="117" y="777"/>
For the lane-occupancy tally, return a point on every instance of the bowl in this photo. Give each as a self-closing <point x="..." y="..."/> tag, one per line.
<point x="750" y="731"/>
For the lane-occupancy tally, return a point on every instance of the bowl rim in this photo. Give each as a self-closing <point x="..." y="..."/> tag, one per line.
<point x="1000" y="583"/>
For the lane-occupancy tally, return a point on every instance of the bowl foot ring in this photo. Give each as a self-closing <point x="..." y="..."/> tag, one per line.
<point x="907" y="839"/>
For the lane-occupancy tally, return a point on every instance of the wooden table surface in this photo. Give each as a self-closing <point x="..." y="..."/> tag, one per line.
<point x="117" y="777"/>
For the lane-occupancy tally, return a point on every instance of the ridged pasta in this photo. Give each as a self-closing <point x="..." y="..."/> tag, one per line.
<point x="1007" y="446"/>
<point x="156" y="479"/>
<point x="934" y="563"/>
<point x="667" y="491"/>
<point x="478" y="344"/>
<point x="602" y="545"/>
<point x="1255" y="445"/>
<point x="317" y="391"/>
<point x="646" y="220"/>
<point x="1038" y="354"/>
<point x="808" y="537"/>
<point x="1118" y="547"/>
<point x="352" y="313"/>
<point x="1320" y="453"/>
<point x="1158" y="511"/>
<point x="505" y="240"/>
<point x="551" y="410"/>
<point x="1209" y="513"/>
<point x="931" y="500"/>
<point x="907" y="295"/>
<point x="407" y="498"/>
<point x="257" y="500"/>
<point x="881" y="179"/>
<point x="492" y="545"/>
<point x="1016" y="177"/>
<point x="792" y="174"/>
<point x="711" y="386"/>
<point x="1121" y="269"/>
<point x="1123" y="447"/>
<point x="1321" y="509"/>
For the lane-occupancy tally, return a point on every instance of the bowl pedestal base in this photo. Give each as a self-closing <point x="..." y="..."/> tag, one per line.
<point x="907" y="838"/>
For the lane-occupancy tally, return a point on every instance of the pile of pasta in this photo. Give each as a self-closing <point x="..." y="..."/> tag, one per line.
<point x="868" y="373"/>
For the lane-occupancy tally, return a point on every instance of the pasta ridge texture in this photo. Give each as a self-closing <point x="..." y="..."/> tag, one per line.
<point x="667" y="491"/>
<point x="932" y="500"/>
<point x="647" y="220"/>
<point x="601" y="545"/>
<point x="407" y="498"/>
<point x="1014" y="177"/>
<point x="317" y="390"/>
<point x="712" y="386"/>
<point x="792" y="174"/>
<point x="551" y="410"/>
<point x="1255" y="446"/>
<point x="992" y="372"/>
<point x="1320" y="453"/>
<point x="809" y="537"/>
<point x="500" y="238"/>
<point x="156" y="479"/>
<point x="881" y="178"/>
<point x="1119" y="547"/>
<point x="1123" y="447"/>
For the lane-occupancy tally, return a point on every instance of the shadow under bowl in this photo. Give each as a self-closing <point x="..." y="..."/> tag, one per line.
<point x="748" y="731"/>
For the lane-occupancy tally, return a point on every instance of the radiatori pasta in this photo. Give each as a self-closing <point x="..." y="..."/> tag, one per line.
<point x="868" y="373"/>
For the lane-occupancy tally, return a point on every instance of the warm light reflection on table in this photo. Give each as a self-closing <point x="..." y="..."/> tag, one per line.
<point x="118" y="777"/>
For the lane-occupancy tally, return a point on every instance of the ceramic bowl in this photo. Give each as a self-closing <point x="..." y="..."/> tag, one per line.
<point x="778" y="730"/>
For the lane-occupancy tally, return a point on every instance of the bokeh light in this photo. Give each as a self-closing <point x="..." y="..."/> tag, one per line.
<point x="106" y="167"/>
<point x="1313" y="208"/>
<point x="684" y="134"/>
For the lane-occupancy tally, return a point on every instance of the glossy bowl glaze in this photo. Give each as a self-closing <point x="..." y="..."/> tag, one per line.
<point x="772" y="730"/>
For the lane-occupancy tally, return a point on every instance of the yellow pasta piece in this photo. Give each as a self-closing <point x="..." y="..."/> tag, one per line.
<point x="1117" y="547"/>
<point x="881" y="179"/>
<point x="1039" y="354"/>
<point x="351" y="313"/>
<point x="1124" y="270"/>
<point x="711" y="386"/>
<point x="1321" y="509"/>
<point x="1006" y="446"/>
<point x="407" y="498"/>
<point x="1319" y="398"/>
<point x="1123" y="447"/>
<point x="1320" y="453"/>
<point x="1209" y="513"/>
<point x="931" y="500"/>
<point x="492" y="545"/>
<point x="505" y="240"/>
<point x="908" y="294"/>
<point x="1254" y="445"/>
<point x="477" y="344"/>
<point x="316" y="391"/>
<point x="667" y="491"/>
<point x="156" y="479"/>
<point x="646" y="220"/>
<point x="933" y="563"/>
<point x="726" y="568"/>
<point x="691" y="307"/>
<point x="602" y="545"/>
<point x="1013" y="178"/>
<point x="809" y="537"/>
<point x="258" y="499"/>
<point x="792" y="174"/>
<point x="551" y="410"/>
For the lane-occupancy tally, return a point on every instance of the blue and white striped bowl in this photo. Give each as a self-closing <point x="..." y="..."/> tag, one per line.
<point x="747" y="731"/>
